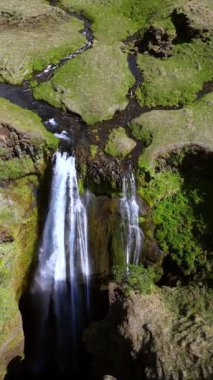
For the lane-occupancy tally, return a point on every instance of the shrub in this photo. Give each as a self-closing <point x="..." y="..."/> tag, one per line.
<point x="135" y="277"/>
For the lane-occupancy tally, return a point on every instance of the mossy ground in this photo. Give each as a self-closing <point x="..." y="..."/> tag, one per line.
<point x="33" y="37"/>
<point x="163" y="131"/>
<point x="175" y="80"/>
<point x="93" y="85"/>
<point x="25" y="121"/>
<point x="119" y="144"/>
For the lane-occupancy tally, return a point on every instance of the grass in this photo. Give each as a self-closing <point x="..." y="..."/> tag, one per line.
<point x="175" y="80"/>
<point x="119" y="144"/>
<point x="26" y="122"/>
<point x="166" y="130"/>
<point x="94" y="84"/>
<point x="39" y="35"/>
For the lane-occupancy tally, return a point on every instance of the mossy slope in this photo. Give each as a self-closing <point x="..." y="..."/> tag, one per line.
<point x="26" y="148"/>
<point x="18" y="236"/>
<point x="26" y="129"/>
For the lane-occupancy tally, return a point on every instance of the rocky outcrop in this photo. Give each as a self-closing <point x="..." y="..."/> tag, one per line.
<point x="143" y="338"/>
<point x="156" y="42"/>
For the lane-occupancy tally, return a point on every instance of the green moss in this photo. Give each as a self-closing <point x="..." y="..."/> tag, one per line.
<point x="27" y="124"/>
<point x="162" y="131"/>
<point x="16" y="168"/>
<point x="136" y="278"/>
<point x="18" y="217"/>
<point x="163" y="185"/>
<point x="178" y="230"/>
<point x="94" y="84"/>
<point x="119" y="144"/>
<point x="109" y="24"/>
<point x="117" y="19"/>
<point x="178" y="79"/>
<point x="93" y="150"/>
<point x="3" y="151"/>
<point x="43" y="36"/>
<point x="25" y="121"/>
<point x="178" y="213"/>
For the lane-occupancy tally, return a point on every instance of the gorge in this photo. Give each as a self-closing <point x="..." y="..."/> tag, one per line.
<point x="106" y="190"/>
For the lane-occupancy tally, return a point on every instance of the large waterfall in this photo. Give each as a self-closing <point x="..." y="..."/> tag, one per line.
<point x="61" y="281"/>
<point x="132" y="235"/>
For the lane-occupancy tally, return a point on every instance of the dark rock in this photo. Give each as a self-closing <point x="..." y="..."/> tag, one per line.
<point x="157" y="42"/>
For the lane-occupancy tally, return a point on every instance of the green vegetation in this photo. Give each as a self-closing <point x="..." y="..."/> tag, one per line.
<point x="178" y="230"/>
<point x="175" y="80"/>
<point x="18" y="220"/>
<point x="90" y="85"/>
<point x="190" y="301"/>
<point x="26" y="122"/>
<point x="117" y="18"/>
<point x="119" y="144"/>
<point x="163" y="131"/>
<point x="135" y="277"/>
<point x="179" y="212"/>
<point x="109" y="24"/>
<point x="37" y="35"/>
<point x="16" y="168"/>
<point x="29" y="128"/>
<point x="93" y="150"/>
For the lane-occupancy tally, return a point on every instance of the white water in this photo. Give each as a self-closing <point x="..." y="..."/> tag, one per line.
<point x="63" y="267"/>
<point x="62" y="135"/>
<point x="132" y="235"/>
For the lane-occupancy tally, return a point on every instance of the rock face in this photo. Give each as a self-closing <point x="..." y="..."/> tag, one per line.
<point x="143" y="339"/>
<point x="25" y="148"/>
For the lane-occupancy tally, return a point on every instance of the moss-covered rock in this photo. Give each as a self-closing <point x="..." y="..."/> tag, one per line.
<point x="119" y="144"/>
<point x="24" y="142"/>
<point x="25" y="151"/>
<point x="94" y="84"/>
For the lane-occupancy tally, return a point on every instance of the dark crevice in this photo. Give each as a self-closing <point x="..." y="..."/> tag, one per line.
<point x="207" y="88"/>
<point x="184" y="32"/>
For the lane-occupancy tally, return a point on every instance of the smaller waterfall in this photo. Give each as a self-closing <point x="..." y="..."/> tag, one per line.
<point x="131" y="233"/>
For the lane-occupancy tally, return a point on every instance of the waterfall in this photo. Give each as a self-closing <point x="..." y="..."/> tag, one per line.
<point x="61" y="281"/>
<point x="132" y="235"/>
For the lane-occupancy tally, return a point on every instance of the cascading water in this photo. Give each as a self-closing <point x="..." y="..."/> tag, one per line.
<point x="61" y="281"/>
<point x="132" y="235"/>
